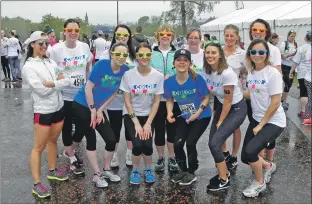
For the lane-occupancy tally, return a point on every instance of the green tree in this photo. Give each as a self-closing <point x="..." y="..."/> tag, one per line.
<point x="143" y="21"/>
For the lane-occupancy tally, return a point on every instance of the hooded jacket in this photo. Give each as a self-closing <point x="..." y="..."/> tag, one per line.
<point x="158" y="62"/>
<point x="45" y="100"/>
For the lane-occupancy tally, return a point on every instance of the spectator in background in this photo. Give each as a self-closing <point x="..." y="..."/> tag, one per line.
<point x="274" y="39"/>
<point x="138" y="37"/>
<point x="14" y="49"/>
<point x="99" y="45"/>
<point x="206" y="39"/>
<point x="4" y="58"/>
<point x="51" y="36"/>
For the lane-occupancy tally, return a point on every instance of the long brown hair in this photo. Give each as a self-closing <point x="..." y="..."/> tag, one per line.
<point x="222" y="61"/>
<point x="250" y="65"/>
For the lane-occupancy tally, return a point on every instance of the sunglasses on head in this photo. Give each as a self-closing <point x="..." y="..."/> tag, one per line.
<point x="40" y="43"/>
<point x="142" y="54"/>
<point x="259" y="52"/>
<point x="255" y="29"/>
<point x="168" y="34"/>
<point x="77" y="30"/>
<point x="120" y="34"/>
<point x="119" y="54"/>
<point x="213" y="41"/>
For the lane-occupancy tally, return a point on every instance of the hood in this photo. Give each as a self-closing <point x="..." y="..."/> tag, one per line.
<point x="156" y="48"/>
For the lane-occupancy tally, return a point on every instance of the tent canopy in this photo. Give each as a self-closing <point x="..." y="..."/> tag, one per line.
<point x="300" y="16"/>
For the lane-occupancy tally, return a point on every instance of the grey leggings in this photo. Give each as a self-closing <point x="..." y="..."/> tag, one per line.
<point x="253" y="144"/>
<point x="233" y="120"/>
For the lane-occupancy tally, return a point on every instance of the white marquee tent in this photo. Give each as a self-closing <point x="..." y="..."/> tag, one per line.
<point x="282" y="17"/>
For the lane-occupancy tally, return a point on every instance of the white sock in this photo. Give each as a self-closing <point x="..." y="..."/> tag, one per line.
<point x="72" y="159"/>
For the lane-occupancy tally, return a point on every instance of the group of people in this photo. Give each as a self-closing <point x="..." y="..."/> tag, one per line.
<point x="159" y="94"/>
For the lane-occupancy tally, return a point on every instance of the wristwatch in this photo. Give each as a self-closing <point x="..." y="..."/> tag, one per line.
<point x="92" y="106"/>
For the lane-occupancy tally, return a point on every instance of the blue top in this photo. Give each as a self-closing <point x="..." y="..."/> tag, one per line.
<point x="106" y="83"/>
<point x="188" y="95"/>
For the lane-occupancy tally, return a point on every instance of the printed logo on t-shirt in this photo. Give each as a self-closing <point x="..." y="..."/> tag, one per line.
<point x="74" y="62"/>
<point x="212" y="86"/>
<point x="108" y="80"/>
<point x="143" y="89"/>
<point x="183" y="95"/>
<point x="252" y="85"/>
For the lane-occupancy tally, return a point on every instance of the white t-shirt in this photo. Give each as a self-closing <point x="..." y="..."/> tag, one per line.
<point x="72" y="62"/>
<point x="236" y="60"/>
<point x="142" y="89"/>
<point x="275" y="55"/>
<point x="303" y="59"/>
<point x="215" y="83"/>
<point x="13" y="46"/>
<point x="291" y="49"/>
<point x="4" y="48"/>
<point x="198" y="62"/>
<point x="100" y="47"/>
<point x="262" y="85"/>
<point x="164" y="53"/>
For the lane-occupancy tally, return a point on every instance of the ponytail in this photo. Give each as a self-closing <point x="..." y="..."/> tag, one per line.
<point x="193" y="74"/>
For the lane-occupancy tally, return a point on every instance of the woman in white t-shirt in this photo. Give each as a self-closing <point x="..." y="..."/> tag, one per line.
<point x="235" y="58"/>
<point x="302" y="61"/>
<point x="193" y="41"/>
<point x="114" y="109"/>
<point x="265" y="86"/>
<point x="230" y="111"/>
<point x="74" y="60"/>
<point x="143" y="87"/>
<point x="288" y="49"/>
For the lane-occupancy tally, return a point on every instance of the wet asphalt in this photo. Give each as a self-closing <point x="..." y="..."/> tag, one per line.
<point x="290" y="184"/>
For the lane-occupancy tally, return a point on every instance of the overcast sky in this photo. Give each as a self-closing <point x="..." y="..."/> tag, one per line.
<point x="105" y="12"/>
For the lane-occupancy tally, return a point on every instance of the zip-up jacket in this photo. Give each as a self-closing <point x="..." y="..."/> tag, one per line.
<point x="158" y="62"/>
<point x="45" y="100"/>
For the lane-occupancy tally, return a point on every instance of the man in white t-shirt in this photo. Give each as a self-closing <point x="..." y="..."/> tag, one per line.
<point x="14" y="49"/>
<point x="99" y="45"/>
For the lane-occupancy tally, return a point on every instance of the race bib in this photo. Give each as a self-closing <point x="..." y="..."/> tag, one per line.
<point x="188" y="108"/>
<point x="77" y="81"/>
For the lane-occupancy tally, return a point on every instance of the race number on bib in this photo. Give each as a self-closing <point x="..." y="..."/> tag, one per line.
<point x="188" y="108"/>
<point x="77" y="81"/>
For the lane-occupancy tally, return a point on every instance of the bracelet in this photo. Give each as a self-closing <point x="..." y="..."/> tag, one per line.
<point x="132" y="115"/>
<point x="203" y="106"/>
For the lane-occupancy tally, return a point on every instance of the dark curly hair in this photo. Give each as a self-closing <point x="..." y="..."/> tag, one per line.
<point x="267" y="26"/>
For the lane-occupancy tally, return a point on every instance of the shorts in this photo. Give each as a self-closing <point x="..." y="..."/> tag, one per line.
<point x="50" y="118"/>
<point x="303" y="88"/>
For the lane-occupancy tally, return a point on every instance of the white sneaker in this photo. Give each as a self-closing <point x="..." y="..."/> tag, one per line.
<point x="268" y="173"/>
<point x="109" y="174"/>
<point x="129" y="158"/>
<point x="115" y="162"/>
<point x="254" y="189"/>
<point x="100" y="181"/>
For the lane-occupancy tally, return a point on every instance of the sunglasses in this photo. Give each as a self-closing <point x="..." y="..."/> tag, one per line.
<point x="259" y="52"/>
<point x="40" y="43"/>
<point x="119" y="54"/>
<point x="142" y="54"/>
<point x="77" y="30"/>
<point x="261" y="30"/>
<point x="119" y="34"/>
<point x="168" y="34"/>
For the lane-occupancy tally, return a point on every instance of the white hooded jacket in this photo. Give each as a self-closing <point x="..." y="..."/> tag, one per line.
<point x="45" y="100"/>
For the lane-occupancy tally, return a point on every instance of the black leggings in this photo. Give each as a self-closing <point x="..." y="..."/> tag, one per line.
<point x="162" y="124"/>
<point x="233" y="120"/>
<point x="254" y="144"/>
<point x="82" y="117"/>
<point x="115" y="119"/>
<point x="308" y="107"/>
<point x="68" y="121"/>
<point x="287" y="81"/>
<point x="5" y="66"/>
<point x="303" y="88"/>
<point x="189" y="133"/>
<point x="139" y="146"/>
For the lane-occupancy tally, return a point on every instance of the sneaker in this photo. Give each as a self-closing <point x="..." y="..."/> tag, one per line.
<point x="178" y="177"/>
<point x="215" y="178"/>
<point x="285" y="105"/>
<point x="172" y="164"/>
<point x="7" y="80"/>
<point x="254" y="189"/>
<point x="129" y="158"/>
<point x="149" y="175"/>
<point x="65" y="154"/>
<point x="188" y="179"/>
<point x="114" y="162"/>
<point x="135" y="177"/>
<point x="109" y="175"/>
<point x="218" y="184"/>
<point x="99" y="181"/>
<point x="232" y="163"/>
<point x="57" y="174"/>
<point x="301" y="114"/>
<point x="19" y="79"/>
<point x="160" y="165"/>
<point x="41" y="191"/>
<point x="76" y="168"/>
<point x="268" y="173"/>
<point x="307" y="121"/>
